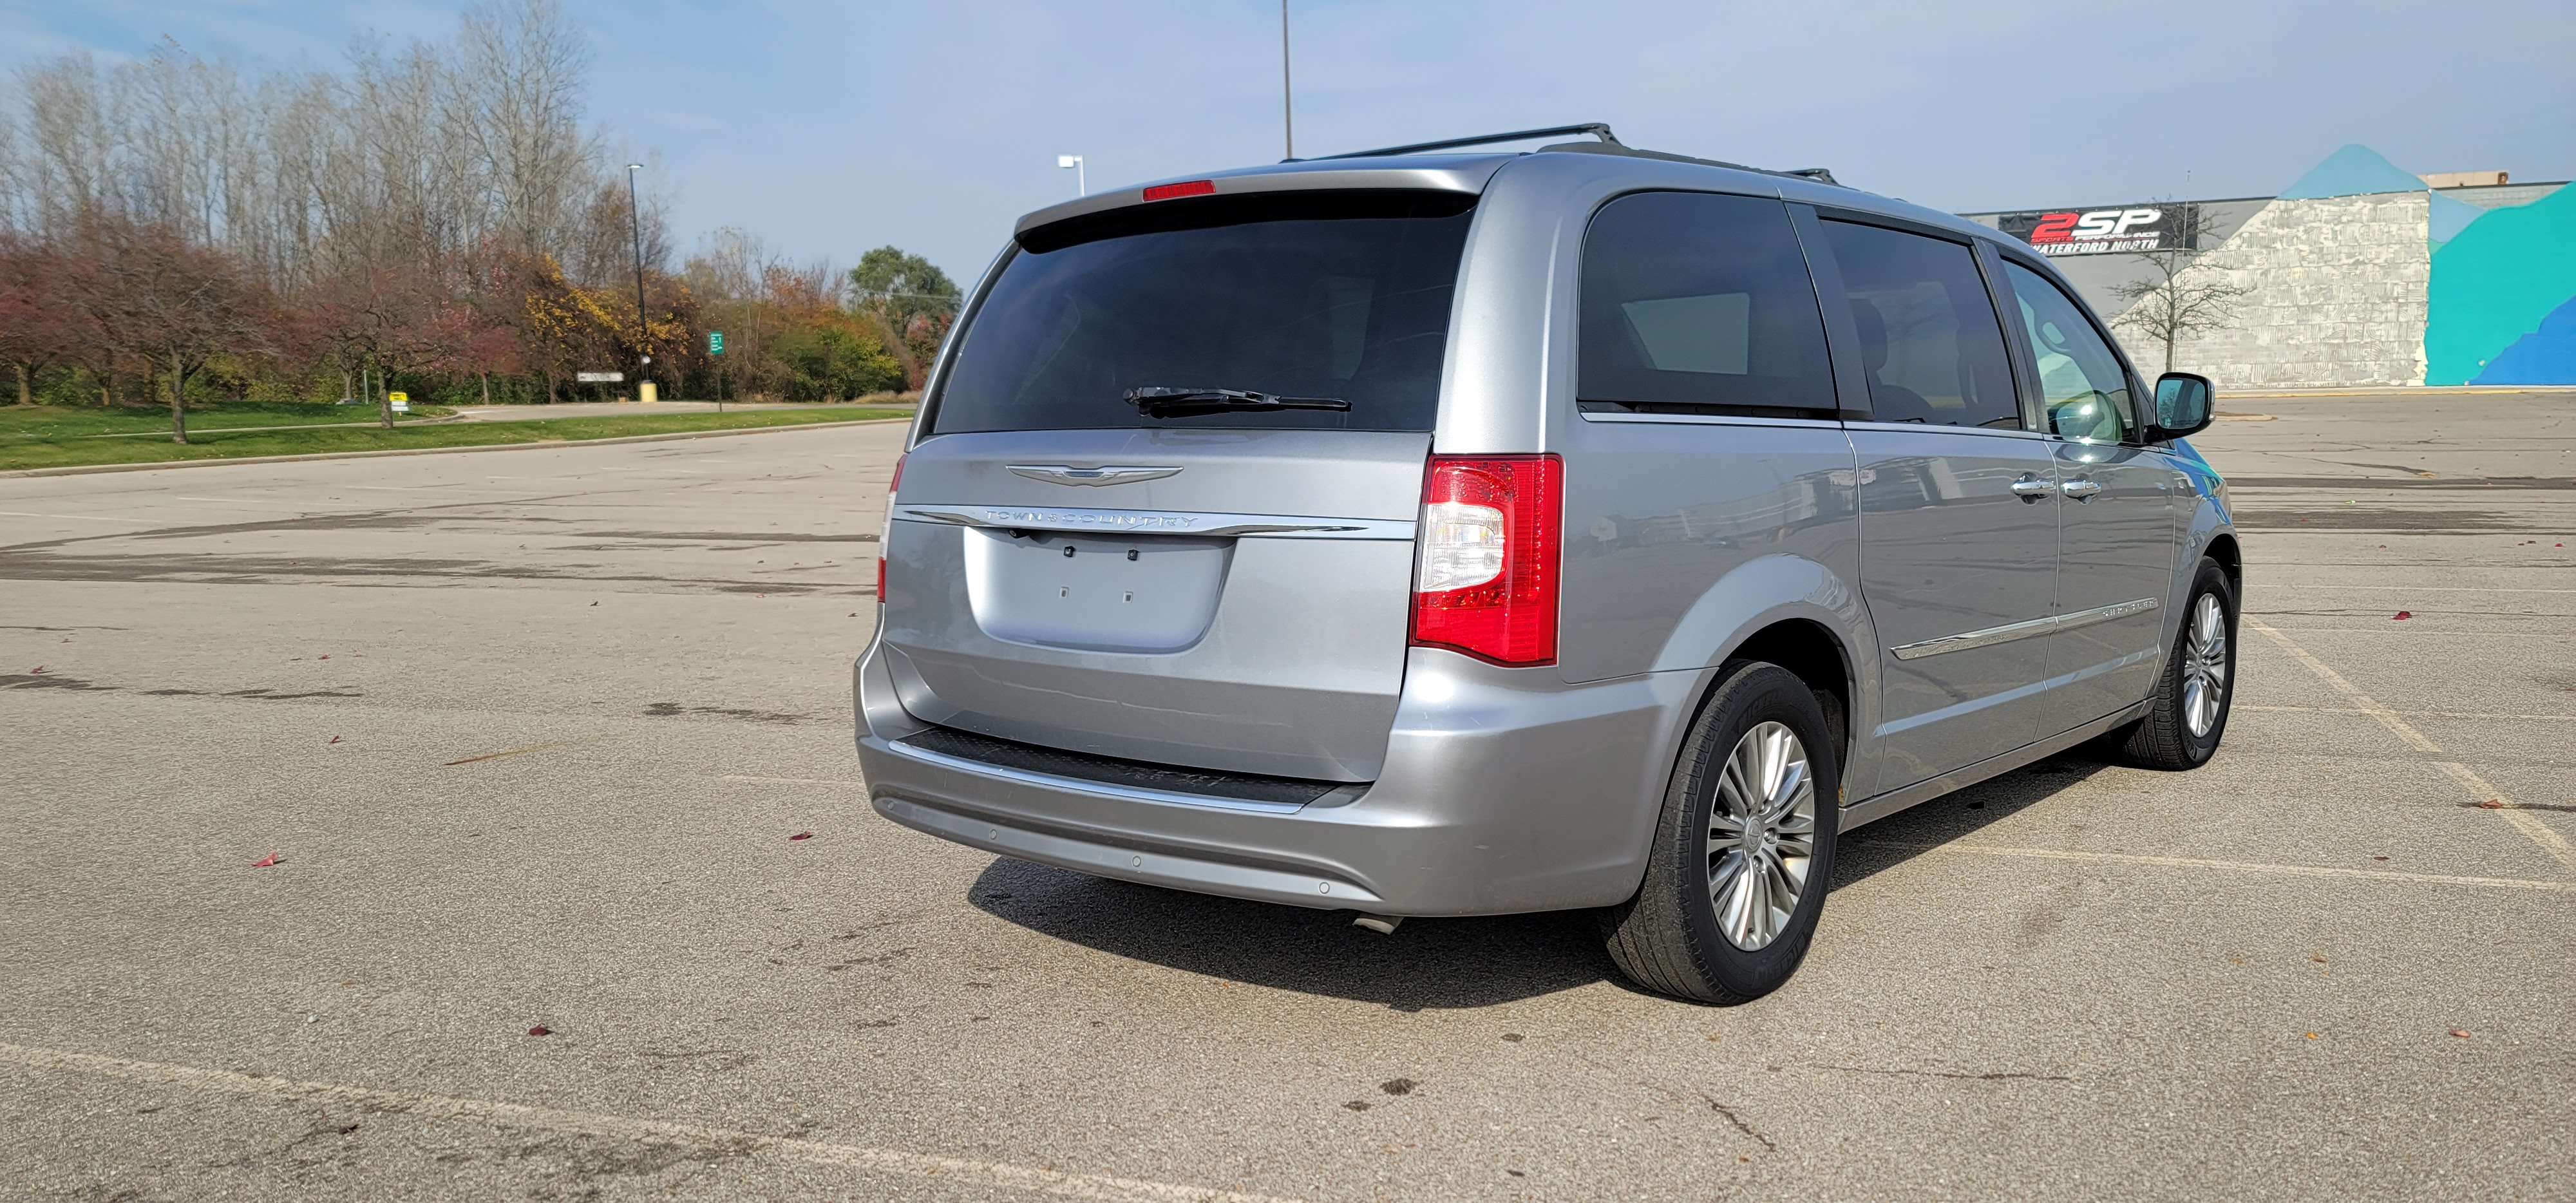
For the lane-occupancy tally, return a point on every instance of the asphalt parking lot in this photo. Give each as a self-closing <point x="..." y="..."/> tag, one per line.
<point x="529" y="734"/>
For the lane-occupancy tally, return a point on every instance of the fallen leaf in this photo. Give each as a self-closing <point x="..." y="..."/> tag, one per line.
<point x="2403" y="615"/>
<point x="335" y="739"/>
<point x="802" y="835"/>
<point x="264" y="862"/>
<point x="541" y="1030"/>
<point x="594" y="603"/>
<point x="2462" y="1034"/>
<point x="2312" y="1035"/>
<point x="39" y="668"/>
<point x="326" y="657"/>
<point x="2492" y="804"/>
<point x="2379" y="858"/>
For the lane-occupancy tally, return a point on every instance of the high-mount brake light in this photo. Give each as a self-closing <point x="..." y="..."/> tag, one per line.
<point x="1486" y="581"/>
<point x="1173" y="191"/>
<point x="887" y="531"/>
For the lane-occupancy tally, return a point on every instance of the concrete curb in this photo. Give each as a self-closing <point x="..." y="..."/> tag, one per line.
<point x="552" y="444"/>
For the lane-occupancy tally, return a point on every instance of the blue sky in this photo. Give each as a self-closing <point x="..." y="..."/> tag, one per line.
<point x="829" y="128"/>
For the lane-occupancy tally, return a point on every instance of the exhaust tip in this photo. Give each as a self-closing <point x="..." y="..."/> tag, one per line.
<point x="1383" y="925"/>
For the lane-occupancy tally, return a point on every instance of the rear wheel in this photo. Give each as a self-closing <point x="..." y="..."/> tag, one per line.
<point x="1744" y="849"/>
<point x="2188" y="712"/>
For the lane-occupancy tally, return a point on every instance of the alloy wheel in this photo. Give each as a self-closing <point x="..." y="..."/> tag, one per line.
<point x="2204" y="666"/>
<point x="1761" y="836"/>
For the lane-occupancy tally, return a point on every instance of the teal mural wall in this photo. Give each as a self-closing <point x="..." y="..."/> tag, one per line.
<point x="2502" y="308"/>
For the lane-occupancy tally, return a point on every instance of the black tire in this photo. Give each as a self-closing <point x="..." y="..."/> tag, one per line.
<point x="1670" y="937"/>
<point x="2176" y="734"/>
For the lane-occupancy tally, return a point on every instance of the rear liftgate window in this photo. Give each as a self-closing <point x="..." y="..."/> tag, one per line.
<point x="1315" y="296"/>
<point x="1700" y="303"/>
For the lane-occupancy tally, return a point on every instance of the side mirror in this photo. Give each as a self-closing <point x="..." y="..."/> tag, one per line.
<point x="2184" y="405"/>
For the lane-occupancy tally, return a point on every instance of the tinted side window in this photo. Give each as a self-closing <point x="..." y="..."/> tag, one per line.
<point x="1695" y="300"/>
<point x="2080" y="381"/>
<point x="1928" y="336"/>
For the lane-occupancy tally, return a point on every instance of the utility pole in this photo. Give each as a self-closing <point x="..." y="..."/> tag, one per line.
<point x="1287" y="95"/>
<point x="643" y="326"/>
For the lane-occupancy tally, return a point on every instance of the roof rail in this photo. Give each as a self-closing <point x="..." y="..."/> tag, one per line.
<point x="1608" y="145"/>
<point x="1595" y="128"/>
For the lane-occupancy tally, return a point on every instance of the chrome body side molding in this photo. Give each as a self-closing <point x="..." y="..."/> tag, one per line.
<point x="2023" y="630"/>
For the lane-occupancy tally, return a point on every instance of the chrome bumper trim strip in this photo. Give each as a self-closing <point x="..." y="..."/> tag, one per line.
<point x="1158" y="522"/>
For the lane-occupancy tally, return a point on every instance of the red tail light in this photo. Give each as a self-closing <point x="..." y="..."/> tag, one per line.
<point x="1172" y="191"/>
<point x="1486" y="579"/>
<point x="887" y="532"/>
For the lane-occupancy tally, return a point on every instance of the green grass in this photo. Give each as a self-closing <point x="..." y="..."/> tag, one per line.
<point x="24" y="448"/>
<point x="21" y="423"/>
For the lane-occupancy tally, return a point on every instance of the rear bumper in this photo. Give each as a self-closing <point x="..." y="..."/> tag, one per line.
<point x="1505" y="790"/>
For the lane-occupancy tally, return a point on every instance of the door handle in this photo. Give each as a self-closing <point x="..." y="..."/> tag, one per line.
<point x="2080" y="488"/>
<point x="2029" y="487"/>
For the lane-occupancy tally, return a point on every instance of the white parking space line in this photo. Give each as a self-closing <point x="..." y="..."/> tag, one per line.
<point x="2190" y="862"/>
<point x="2541" y="833"/>
<point x="74" y="517"/>
<point x="729" y="1141"/>
<point x="2408" y="588"/>
<point x="2394" y="589"/>
<point x="2407" y="713"/>
<point x="795" y="780"/>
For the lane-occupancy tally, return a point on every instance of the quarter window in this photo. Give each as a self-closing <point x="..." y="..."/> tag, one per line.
<point x="2080" y="381"/>
<point x="1929" y="341"/>
<point x="1695" y="301"/>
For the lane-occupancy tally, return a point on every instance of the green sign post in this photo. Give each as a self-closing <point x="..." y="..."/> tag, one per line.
<point x="715" y="346"/>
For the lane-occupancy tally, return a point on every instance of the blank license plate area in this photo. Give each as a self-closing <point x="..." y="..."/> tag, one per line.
<point x="1132" y="594"/>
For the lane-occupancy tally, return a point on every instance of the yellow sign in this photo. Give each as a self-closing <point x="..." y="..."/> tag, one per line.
<point x="398" y="397"/>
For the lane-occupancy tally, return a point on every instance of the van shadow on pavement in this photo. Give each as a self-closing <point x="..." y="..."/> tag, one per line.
<point x="1429" y="964"/>
<point x="1901" y="837"/>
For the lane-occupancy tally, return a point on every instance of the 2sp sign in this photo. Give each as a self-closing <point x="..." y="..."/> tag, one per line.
<point x="2101" y="231"/>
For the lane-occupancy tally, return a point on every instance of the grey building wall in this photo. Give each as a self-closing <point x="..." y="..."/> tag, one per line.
<point x="2335" y="294"/>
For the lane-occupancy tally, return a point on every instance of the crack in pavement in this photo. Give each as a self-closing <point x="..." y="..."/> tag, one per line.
<point x="1943" y="1073"/>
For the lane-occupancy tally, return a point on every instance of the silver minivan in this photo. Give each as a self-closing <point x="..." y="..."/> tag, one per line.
<point x="1418" y="533"/>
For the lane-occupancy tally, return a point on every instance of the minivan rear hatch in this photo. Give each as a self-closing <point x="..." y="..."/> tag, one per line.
<point x="1163" y="504"/>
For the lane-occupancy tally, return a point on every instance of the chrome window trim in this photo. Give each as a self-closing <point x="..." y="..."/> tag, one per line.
<point x="1080" y="520"/>
<point x="1922" y="427"/>
<point x="1101" y="789"/>
<point x="2022" y="630"/>
<point x="1826" y="423"/>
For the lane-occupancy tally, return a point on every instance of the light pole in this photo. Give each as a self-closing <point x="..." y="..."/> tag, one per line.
<point x="1287" y="97"/>
<point x="1075" y="162"/>
<point x="643" y="327"/>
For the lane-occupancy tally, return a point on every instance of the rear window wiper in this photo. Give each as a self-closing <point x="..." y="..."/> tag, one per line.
<point x="1176" y="402"/>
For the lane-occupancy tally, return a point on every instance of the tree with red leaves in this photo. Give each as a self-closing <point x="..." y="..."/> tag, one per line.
<point x="171" y="304"/>
<point x="41" y="319"/>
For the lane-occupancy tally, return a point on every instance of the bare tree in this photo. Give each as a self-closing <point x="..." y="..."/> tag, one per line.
<point x="2180" y="299"/>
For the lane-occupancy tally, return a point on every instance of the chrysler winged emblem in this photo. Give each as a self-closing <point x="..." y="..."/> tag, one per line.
<point x="1107" y="474"/>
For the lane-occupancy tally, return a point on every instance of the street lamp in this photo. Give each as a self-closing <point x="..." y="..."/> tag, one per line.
<point x="643" y="326"/>
<point x="1075" y="163"/>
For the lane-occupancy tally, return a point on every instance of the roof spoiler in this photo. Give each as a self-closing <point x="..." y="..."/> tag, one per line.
<point x="1609" y="144"/>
